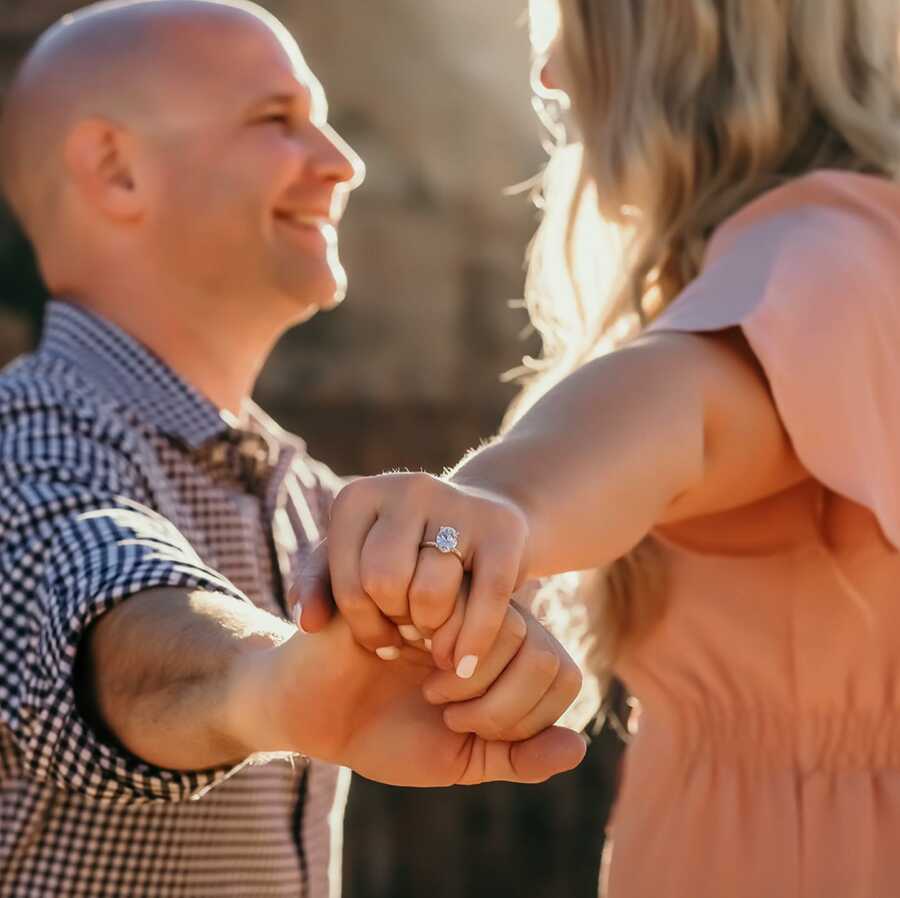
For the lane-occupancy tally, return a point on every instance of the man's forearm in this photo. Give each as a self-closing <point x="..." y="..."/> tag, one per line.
<point x="162" y="679"/>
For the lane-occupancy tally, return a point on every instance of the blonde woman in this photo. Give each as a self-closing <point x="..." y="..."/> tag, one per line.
<point x="716" y="425"/>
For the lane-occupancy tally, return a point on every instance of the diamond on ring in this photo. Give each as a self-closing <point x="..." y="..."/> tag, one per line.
<point x="447" y="540"/>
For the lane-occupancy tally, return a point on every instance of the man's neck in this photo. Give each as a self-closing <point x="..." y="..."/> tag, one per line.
<point x="219" y="355"/>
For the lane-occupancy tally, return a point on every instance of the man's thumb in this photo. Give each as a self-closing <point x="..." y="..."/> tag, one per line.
<point x="553" y="751"/>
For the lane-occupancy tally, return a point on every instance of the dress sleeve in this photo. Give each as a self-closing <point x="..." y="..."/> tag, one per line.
<point x="811" y="273"/>
<point x="77" y="536"/>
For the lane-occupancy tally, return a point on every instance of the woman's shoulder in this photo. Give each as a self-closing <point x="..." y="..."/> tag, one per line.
<point x="797" y="249"/>
<point x="815" y="210"/>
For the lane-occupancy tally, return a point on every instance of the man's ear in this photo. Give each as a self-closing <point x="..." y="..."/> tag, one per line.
<point x="100" y="161"/>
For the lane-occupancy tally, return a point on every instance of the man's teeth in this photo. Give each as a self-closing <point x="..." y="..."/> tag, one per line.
<point x="311" y="221"/>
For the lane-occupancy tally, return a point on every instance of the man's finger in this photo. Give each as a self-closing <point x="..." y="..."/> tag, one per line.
<point x="551" y="707"/>
<point x="310" y="604"/>
<point x="516" y="692"/>
<point x="515" y="707"/>
<point x="553" y="751"/>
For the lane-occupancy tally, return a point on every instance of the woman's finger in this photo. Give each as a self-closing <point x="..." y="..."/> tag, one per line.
<point x="434" y="588"/>
<point x="353" y="513"/>
<point x="443" y="641"/>
<point x="444" y="686"/>
<point x="388" y="562"/>
<point x="495" y="574"/>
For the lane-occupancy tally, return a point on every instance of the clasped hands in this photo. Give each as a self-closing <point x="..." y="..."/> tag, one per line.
<point x="489" y="680"/>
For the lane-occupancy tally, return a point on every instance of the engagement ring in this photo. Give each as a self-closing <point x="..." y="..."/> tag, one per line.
<point x="446" y="542"/>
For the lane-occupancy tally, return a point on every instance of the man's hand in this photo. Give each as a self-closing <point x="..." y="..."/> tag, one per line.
<point x="361" y="712"/>
<point x="196" y="680"/>
<point x="522" y="687"/>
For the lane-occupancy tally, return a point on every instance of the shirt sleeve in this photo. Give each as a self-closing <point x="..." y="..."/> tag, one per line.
<point x="811" y="274"/>
<point x="78" y="536"/>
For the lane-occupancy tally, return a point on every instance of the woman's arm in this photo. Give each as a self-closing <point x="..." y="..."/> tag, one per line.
<point x="672" y="427"/>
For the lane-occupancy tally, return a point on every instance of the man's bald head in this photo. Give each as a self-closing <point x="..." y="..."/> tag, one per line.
<point x="122" y="60"/>
<point x="179" y="148"/>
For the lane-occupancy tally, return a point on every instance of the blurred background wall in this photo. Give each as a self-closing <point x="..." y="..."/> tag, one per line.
<point x="435" y="97"/>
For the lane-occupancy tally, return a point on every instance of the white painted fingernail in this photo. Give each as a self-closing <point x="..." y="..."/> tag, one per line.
<point x="428" y="644"/>
<point x="388" y="653"/>
<point x="409" y="632"/>
<point x="298" y="614"/>
<point x="466" y="667"/>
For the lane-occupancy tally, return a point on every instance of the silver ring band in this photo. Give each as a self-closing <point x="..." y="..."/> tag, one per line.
<point x="431" y="544"/>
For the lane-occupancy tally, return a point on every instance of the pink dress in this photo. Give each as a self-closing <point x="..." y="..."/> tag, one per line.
<point x="767" y="758"/>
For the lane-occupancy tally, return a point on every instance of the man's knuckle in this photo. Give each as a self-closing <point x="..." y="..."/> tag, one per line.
<point x="491" y="726"/>
<point x="515" y="733"/>
<point x="455" y="720"/>
<point x="480" y="722"/>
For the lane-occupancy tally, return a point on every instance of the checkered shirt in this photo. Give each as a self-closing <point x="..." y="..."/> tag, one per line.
<point x="92" y="421"/>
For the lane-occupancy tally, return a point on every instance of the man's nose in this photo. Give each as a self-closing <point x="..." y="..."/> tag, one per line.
<point x="335" y="160"/>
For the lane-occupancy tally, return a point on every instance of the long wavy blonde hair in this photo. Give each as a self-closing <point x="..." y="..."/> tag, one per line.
<point x="685" y="110"/>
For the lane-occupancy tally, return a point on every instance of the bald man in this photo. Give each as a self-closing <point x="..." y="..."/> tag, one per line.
<point x="172" y="163"/>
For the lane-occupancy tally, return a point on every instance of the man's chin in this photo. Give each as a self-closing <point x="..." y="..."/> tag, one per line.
<point x="323" y="291"/>
<point x="304" y="306"/>
<point x="337" y="297"/>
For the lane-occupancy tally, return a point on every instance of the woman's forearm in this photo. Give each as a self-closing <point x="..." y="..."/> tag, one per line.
<point x="598" y="461"/>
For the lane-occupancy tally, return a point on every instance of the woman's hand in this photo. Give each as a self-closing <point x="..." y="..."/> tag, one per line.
<point x="382" y="577"/>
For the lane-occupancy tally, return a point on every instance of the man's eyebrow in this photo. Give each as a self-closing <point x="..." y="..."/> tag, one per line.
<point x="302" y="99"/>
<point x="276" y="99"/>
<point x="312" y="101"/>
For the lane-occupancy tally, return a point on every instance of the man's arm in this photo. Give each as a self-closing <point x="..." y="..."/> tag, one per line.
<point x="79" y="539"/>
<point x="188" y="672"/>
<point x="156" y="675"/>
<point x="193" y="680"/>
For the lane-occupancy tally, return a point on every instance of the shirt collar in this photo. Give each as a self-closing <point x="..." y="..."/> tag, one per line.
<point x="131" y="374"/>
